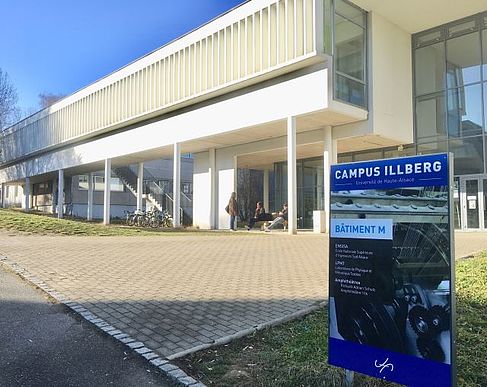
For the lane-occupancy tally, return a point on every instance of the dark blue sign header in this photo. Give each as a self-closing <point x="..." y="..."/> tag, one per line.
<point x="417" y="171"/>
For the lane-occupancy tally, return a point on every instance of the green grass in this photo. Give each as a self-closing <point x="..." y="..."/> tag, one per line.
<point x="295" y="354"/>
<point x="39" y="223"/>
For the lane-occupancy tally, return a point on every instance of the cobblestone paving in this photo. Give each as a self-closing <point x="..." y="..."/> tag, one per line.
<point x="175" y="293"/>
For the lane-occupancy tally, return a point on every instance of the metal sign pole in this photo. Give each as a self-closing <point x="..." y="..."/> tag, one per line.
<point x="349" y="378"/>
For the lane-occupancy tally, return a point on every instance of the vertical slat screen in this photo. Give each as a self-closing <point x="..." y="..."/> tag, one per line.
<point x="282" y="31"/>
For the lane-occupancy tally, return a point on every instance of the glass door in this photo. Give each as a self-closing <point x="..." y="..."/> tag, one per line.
<point x="472" y="198"/>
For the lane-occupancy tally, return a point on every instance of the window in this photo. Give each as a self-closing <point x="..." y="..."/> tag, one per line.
<point x="350" y="54"/>
<point x="116" y="185"/>
<point x="187" y="188"/>
<point x="450" y="71"/>
<point x="430" y="117"/>
<point x="429" y="69"/>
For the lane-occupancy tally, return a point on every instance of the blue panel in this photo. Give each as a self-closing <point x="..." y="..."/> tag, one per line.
<point x="424" y="171"/>
<point x="387" y="365"/>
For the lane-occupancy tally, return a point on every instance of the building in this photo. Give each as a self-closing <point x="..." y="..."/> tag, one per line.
<point x="285" y="87"/>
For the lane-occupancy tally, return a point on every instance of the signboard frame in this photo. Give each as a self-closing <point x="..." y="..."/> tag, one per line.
<point x="418" y="176"/>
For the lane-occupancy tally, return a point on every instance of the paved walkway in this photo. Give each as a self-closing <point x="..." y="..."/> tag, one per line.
<point x="177" y="293"/>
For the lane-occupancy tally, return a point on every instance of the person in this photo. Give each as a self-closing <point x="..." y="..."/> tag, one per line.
<point x="233" y="210"/>
<point x="259" y="215"/>
<point x="281" y="218"/>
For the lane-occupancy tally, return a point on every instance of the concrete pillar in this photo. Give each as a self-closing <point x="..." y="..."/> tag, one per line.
<point x="60" y="194"/>
<point x="89" y="206"/>
<point x="54" y="190"/>
<point x="329" y="158"/>
<point x="27" y="194"/>
<point x="266" y="190"/>
<point x="213" y="190"/>
<point x="292" y="200"/>
<point x="140" y="185"/>
<point x="106" y="192"/>
<point x="176" y="187"/>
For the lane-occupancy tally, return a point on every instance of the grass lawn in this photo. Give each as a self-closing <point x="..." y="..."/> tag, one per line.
<point x="39" y="223"/>
<point x="295" y="354"/>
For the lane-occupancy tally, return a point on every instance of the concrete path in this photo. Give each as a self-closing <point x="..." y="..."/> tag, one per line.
<point x="42" y="345"/>
<point x="180" y="293"/>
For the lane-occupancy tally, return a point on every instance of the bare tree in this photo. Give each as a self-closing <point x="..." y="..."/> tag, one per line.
<point x="9" y="112"/>
<point x="48" y="99"/>
<point x="249" y="191"/>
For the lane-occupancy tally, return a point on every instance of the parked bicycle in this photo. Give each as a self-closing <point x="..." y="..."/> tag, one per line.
<point x="153" y="218"/>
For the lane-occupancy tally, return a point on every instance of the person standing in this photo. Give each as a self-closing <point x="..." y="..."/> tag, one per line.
<point x="233" y="210"/>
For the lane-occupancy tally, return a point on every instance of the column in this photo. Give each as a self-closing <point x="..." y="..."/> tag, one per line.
<point x="140" y="187"/>
<point x="60" y="194"/>
<point x="54" y="195"/>
<point x="213" y="189"/>
<point x="3" y="195"/>
<point x="329" y="158"/>
<point x="176" y="186"/>
<point x="266" y="190"/>
<point x="27" y="194"/>
<point x="292" y="200"/>
<point x="106" y="192"/>
<point x="89" y="207"/>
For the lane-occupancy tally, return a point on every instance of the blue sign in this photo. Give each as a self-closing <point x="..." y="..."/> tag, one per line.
<point x="390" y="305"/>
<point x="430" y="170"/>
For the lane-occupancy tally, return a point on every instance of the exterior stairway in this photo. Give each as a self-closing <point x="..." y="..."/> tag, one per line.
<point x="154" y="193"/>
<point x="129" y="179"/>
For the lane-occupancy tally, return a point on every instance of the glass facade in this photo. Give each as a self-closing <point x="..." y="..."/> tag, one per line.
<point x="450" y="92"/>
<point x="350" y="53"/>
<point x="310" y="188"/>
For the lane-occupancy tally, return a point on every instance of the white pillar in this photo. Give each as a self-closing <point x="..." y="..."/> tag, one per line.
<point x="140" y="185"/>
<point x="89" y="207"/>
<point x="106" y="192"/>
<point x="266" y="190"/>
<point x="27" y="194"/>
<point x="213" y="189"/>
<point x="292" y="200"/>
<point x="54" y="190"/>
<point x="329" y="158"/>
<point x="176" y="187"/>
<point x="60" y="193"/>
<point x="3" y="195"/>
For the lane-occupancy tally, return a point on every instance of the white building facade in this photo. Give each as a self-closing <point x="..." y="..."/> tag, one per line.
<point x="286" y="87"/>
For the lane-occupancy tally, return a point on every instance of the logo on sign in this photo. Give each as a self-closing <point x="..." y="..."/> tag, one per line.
<point x="384" y="365"/>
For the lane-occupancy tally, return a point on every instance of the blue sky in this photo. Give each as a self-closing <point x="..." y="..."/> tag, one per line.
<point x="59" y="46"/>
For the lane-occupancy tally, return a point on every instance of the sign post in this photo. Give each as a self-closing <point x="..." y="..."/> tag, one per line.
<point x="391" y="270"/>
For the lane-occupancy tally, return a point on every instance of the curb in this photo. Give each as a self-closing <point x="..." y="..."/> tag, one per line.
<point x="174" y="373"/>
<point x="247" y="332"/>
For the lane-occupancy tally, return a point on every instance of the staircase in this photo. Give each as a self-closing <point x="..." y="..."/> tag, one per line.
<point x="129" y="179"/>
<point x="154" y="193"/>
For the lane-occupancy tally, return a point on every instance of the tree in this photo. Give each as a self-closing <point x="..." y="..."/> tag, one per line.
<point x="48" y="99"/>
<point x="9" y="112"/>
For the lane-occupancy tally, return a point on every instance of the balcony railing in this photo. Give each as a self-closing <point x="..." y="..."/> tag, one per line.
<point x="253" y="40"/>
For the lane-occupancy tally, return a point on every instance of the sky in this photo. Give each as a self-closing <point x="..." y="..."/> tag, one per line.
<point x="60" y="46"/>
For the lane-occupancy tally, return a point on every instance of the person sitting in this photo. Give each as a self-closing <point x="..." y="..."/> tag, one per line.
<point x="259" y="215"/>
<point x="281" y="218"/>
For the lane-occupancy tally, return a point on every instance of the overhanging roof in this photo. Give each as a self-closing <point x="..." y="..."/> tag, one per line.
<point x="419" y="15"/>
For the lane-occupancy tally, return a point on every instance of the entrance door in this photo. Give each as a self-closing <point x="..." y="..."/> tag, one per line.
<point x="473" y="203"/>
